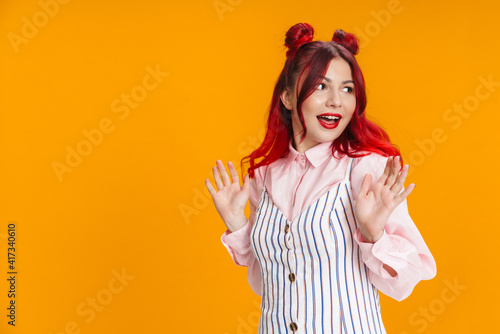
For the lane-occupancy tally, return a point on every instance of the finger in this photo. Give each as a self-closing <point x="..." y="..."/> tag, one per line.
<point x="210" y="188"/>
<point x="217" y="179"/>
<point x="384" y="176"/>
<point x="234" y="173"/>
<point x="246" y="184"/>
<point x="396" y="188"/>
<point x="365" y="185"/>
<point x="401" y="197"/>
<point x="223" y="173"/>
<point x="393" y="172"/>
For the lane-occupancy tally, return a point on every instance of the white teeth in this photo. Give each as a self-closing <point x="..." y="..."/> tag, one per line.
<point x="334" y="118"/>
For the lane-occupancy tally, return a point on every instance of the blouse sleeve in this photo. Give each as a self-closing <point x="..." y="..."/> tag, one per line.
<point x="238" y="242"/>
<point x="401" y="247"/>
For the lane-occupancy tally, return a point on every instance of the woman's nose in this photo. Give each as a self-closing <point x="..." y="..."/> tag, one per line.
<point x="334" y="99"/>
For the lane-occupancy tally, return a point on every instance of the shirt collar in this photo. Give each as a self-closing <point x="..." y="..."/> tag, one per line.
<point x="315" y="155"/>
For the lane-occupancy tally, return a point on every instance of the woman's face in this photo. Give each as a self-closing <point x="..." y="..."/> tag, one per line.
<point x="327" y="111"/>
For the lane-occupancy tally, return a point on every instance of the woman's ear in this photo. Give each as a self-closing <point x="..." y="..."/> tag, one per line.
<point x="286" y="99"/>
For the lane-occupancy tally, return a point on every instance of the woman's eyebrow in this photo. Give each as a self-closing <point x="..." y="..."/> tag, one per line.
<point x="327" y="79"/>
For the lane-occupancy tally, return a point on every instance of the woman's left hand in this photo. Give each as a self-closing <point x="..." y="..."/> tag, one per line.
<point x="374" y="206"/>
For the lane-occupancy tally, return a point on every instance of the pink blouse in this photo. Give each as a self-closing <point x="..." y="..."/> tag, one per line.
<point x="299" y="179"/>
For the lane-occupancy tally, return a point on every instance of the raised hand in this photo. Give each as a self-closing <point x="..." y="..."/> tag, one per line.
<point x="374" y="206"/>
<point x="231" y="199"/>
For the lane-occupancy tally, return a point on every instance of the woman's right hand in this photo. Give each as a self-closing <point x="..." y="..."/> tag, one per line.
<point x="231" y="199"/>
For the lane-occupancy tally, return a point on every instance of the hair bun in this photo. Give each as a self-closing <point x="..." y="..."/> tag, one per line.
<point x="347" y="40"/>
<point x="298" y="35"/>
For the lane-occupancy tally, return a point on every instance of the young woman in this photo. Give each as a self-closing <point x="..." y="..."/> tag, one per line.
<point x="329" y="225"/>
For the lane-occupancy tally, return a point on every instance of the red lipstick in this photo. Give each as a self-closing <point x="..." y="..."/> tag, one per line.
<point x="329" y="120"/>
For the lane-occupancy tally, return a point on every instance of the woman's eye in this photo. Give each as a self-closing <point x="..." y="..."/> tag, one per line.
<point x="321" y="86"/>
<point x="348" y="89"/>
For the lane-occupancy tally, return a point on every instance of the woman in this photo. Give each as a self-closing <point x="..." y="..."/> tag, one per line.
<point x="329" y="224"/>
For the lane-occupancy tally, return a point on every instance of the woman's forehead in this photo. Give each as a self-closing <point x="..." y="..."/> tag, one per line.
<point x="338" y="70"/>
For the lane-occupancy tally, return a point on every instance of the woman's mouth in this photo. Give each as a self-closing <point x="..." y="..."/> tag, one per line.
<point x="329" y="121"/>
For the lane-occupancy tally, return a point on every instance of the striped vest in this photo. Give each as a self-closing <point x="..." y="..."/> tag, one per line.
<point x="313" y="278"/>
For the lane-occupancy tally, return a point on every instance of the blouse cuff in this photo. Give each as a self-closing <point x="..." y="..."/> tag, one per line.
<point x="237" y="243"/>
<point x="376" y="254"/>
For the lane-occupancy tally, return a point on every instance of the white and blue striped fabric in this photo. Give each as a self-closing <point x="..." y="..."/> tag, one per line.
<point x="313" y="278"/>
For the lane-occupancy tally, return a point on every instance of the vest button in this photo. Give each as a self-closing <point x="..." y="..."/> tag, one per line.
<point x="294" y="326"/>
<point x="291" y="277"/>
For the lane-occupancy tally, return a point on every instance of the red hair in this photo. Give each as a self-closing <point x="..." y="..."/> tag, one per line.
<point x="311" y="59"/>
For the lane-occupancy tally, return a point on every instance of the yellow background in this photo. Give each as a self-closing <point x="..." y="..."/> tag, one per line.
<point x="136" y="203"/>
